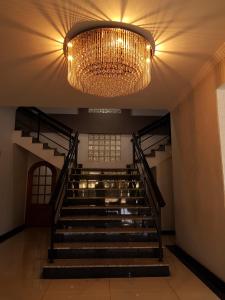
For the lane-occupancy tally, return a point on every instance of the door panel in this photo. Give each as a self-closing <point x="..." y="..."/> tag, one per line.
<point x="41" y="182"/>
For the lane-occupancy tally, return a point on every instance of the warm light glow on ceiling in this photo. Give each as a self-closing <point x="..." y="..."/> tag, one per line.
<point x="109" y="61"/>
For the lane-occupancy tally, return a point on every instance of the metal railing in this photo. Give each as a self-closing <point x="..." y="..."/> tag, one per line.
<point x="44" y="129"/>
<point x="60" y="190"/>
<point x="153" y="194"/>
<point x="155" y="136"/>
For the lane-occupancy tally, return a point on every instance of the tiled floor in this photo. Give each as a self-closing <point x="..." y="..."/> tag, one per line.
<point x="22" y="257"/>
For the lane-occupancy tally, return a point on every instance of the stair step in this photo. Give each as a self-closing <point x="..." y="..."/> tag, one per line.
<point x="105" y="169"/>
<point x="107" y="189"/>
<point x="72" y="181"/>
<point x="93" y="230"/>
<point x="105" y="197"/>
<point x="106" y="234"/>
<point x="104" y="207"/>
<point x="107" y="245"/>
<point x="139" y="200"/>
<point x="90" y="268"/>
<point x="104" y="250"/>
<point x="106" y="176"/>
<point x="104" y="218"/>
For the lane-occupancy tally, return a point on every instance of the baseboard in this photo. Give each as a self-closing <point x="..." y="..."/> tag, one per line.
<point x="11" y="233"/>
<point x="168" y="232"/>
<point x="206" y="276"/>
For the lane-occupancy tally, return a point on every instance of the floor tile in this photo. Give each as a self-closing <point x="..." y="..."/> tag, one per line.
<point x="22" y="258"/>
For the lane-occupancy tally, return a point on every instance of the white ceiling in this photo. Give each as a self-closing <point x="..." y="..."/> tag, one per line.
<point x="33" y="68"/>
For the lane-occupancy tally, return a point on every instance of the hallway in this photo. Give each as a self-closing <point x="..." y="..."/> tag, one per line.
<point x="23" y="256"/>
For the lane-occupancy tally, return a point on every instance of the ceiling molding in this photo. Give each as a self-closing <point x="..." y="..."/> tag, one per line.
<point x="206" y="69"/>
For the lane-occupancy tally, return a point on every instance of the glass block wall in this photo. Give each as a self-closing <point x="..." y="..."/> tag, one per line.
<point x="104" y="147"/>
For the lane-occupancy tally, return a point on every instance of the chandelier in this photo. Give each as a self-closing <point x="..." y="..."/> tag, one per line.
<point x="109" y="61"/>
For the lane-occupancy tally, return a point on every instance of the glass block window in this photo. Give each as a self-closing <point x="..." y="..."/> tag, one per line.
<point x="104" y="147"/>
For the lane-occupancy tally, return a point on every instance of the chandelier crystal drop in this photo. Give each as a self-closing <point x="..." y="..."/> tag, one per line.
<point x="109" y="62"/>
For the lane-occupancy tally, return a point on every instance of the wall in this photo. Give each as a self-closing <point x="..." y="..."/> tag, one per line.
<point x="126" y="154"/>
<point x="123" y="122"/>
<point x="13" y="175"/>
<point x="197" y="173"/>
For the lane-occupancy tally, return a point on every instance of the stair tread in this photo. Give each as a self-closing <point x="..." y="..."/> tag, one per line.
<point x="106" y="197"/>
<point x="104" y="175"/>
<point x="99" y="218"/>
<point x="106" y="245"/>
<point x="106" y="169"/>
<point x="107" y="230"/>
<point x="105" y="262"/>
<point x="78" y="181"/>
<point x="106" y="189"/>
<point x="104" y="207"/>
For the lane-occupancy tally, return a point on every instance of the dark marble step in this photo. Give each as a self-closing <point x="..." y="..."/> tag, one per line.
<point x="104" y="210"/>
<point x="100" y="268"/>
<point x="93" y="200"/>
<point x="106" y="221"/>
<point x="104" y="170"/>
<point x="105" y="177"/>
<point x="106" y="234"/>
<point x="104" y="250"/>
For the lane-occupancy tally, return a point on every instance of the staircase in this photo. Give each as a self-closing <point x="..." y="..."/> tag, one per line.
<point x="104" y="222"/>
<point x="42" y="135"/>
<point x="40" y="149"/>
<point x="105" y="228"/>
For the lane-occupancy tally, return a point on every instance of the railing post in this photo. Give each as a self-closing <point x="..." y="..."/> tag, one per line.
<point x="51" y="252"/>
<point x="133" y="146"/>
<point x="38" y="129"/>
<point x="76" y="154"/>
<point x="160" y="236"/>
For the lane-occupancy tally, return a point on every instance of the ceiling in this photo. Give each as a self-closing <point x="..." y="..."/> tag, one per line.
<point x="34" y="70"/>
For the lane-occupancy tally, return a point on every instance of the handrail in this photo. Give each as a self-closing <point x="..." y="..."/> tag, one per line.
<point x="147" y="129"/>
<point x="47" y="119"/>
<point x="38" y="124"/>
<point x="59" y="192"/>
<point x="156" y="143"/>
<point x="157" y="194"/>
<point x="153" y="195"/>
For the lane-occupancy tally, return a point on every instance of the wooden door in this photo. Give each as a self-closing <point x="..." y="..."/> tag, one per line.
<point x="41" y="181"/>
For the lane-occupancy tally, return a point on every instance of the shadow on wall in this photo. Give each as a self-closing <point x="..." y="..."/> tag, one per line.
<point x="60" y="16"/>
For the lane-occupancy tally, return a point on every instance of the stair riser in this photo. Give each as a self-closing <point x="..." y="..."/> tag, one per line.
<point x="105" y="272"/>
<point x="103" y="212"/>
<point x="89" y="194"/>
<point x="104" y="253"/>
<point x="105" y="223"/>
<point x="78" y="177"/>
<point x="104" y="237"/>
<point x="101" y="202"/>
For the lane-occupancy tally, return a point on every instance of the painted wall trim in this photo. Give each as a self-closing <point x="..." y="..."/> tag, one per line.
<point x="11" y="233"/>
<point x="211" y="280"/>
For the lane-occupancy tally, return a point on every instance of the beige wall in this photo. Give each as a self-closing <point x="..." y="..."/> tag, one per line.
<point x="198" y="176"/>
<point x="13" y="175"/>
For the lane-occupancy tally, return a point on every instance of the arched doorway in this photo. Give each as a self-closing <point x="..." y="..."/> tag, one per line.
<point x="40" y="184"/>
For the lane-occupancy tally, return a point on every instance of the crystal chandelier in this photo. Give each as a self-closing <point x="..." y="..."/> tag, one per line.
<point x="109" y="61"/>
